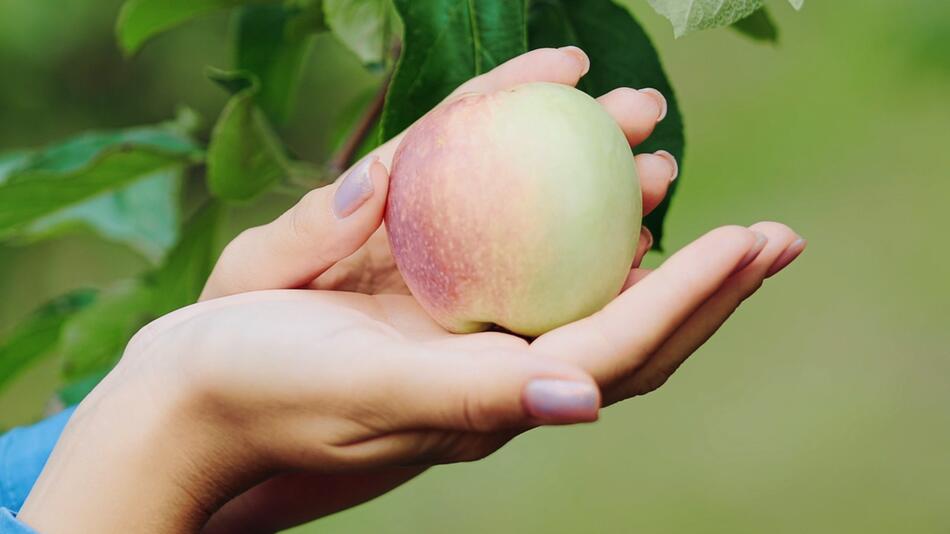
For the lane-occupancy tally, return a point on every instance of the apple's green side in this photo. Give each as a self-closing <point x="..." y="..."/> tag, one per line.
<point x="585" y="207"/>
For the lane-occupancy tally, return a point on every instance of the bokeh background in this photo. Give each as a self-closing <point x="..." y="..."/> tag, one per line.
<point x="823" y="406"/>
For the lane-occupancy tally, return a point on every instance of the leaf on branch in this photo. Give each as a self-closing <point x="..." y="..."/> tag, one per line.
<point x="144" y="216"/>
<point x="366" y="27"/>
<point x="347" y="121"/>
<point x="122" y="184"/>
<point x="141" y="20"/>
<point x="758" y="26"/>
<point x="93" y="339"/>
<point x="29" y="195"/>
<point x="621" y="55"/>
<point x="245" y="156"/>
<point x="445" y="43"/>
<point x="692" y="15"/>
<point x="38" y="334"/>
<point x="268" y="44"/>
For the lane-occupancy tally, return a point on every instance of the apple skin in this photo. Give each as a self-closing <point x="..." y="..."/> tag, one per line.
<point x="520" y="208"/>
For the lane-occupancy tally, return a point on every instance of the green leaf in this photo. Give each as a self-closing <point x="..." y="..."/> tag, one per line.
<point x="266" y="47"/>
<point x="692" y="15"/>
<point x="445" y="43"/>
<point x="28" y="195"/>
<point x="93" y="339"/>
<point x="174" y="137"/>
<point x="101" y="180"/>
<point x="140" y="20"/>
<point x="758" y="26"/>
<point x="178" y="282"/>
<point x="144" y="216"/>
<point x="349" y="118"/>
<point x="38" y="334"/>
<point x="245" y="156"/>
<point x="11" y="161"/>
<point x="621" y="55"/>
<point x="797" y="4"/>
<point x="365" y="27"/>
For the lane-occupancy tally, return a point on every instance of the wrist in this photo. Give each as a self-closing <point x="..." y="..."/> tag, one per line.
<point x="136" y="453"/>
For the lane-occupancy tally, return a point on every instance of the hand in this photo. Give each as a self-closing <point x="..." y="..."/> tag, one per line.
<point x="215" y="398"/>
<point x="628" y="348"/>
<point x="314" y="250"/>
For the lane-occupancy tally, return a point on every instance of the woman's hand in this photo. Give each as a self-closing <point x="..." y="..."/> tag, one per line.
<point x="631" y="347"/>
<point x="264" y="348"/>
<point x="215" y="398"/>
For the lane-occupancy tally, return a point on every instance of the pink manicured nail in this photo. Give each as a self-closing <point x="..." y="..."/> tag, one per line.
<point x="787" y="256"/>
<point x="354" y="190"/>
<point x="672" y="159"/>
<point x="561" y="401"/>
<point x="760" y="241"/>
<point x="660" y="101"/>
<point x="579" y="55"/>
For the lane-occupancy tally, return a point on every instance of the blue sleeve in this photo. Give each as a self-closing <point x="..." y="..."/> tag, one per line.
<point x="23" y="453"/>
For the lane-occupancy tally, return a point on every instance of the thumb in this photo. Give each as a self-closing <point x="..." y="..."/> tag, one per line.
<point x="325" y="226"/>
<point x="491" y="391"/>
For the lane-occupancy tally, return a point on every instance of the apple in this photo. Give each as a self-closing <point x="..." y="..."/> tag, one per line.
<point x="519" y="208"/>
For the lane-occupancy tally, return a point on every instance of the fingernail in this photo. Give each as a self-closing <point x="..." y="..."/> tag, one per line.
<point x="579" y="55"/>
<point x="787" y="256"/>
<point x="660" y="101"/>
<point x="561" y="401"/>
<point x="354" y="190"/>
<point x="760" y="241"/>
<point x="672" y="159"/>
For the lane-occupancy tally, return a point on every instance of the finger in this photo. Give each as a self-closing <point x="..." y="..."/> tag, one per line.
<point x="555" y="65"/>
<point x="612" y="342"/>
<point x="295" y="498"/>
<point x="637" y="112"/>
<point x="486" y="391"/>
<point x="327" y="225"/>
<point x="704" y="322"/>
<point x="636" y="274"/>
<point x="656" y="171"/>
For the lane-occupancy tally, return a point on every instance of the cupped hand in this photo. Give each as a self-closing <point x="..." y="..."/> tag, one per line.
<point x="630" y="348"/>
<point x="314" y="401"/>
<point x="218" y="397"/>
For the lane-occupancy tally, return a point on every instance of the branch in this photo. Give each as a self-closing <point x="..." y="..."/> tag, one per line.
<point x="344" y="157"/>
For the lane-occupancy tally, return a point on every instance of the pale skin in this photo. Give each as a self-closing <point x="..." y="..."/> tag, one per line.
<point x="266" y="406"/>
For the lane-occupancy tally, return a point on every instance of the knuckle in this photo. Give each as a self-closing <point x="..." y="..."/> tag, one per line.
<point x="656" y="378"/>
<point x="771" y="228"/>
<point x="303" y="219"/>
<point x="732" y="232"/>
<point x="549" y="55"/>
<point x="475" y="417"/>
<point x="623" y="95"/>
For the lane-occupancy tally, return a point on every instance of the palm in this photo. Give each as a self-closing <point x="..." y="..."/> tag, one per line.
<point x="370" y="270"/>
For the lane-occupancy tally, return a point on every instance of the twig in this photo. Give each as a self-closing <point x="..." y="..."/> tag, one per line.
<point x="344" y="157"/>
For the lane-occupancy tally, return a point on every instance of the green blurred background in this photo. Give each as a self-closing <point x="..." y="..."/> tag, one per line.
<point x="823" y="406"/>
